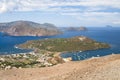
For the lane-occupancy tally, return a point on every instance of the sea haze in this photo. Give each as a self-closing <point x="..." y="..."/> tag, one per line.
<point x="105" y="34"/>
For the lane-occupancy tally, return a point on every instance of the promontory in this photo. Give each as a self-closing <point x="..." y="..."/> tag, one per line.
<point x="78" y="43"/>
<point x="46" y="52"/>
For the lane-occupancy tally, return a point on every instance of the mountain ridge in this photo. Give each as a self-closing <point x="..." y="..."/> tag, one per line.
<point x="28" y="28"/>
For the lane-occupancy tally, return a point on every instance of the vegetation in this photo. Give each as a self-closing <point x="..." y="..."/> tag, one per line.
<point x="80" y="43"/>
<point x="28" y="60"/>
<point x="45" y="52"/>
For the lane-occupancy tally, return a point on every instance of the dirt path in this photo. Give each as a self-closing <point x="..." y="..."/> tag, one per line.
<point x="104" y="68"/>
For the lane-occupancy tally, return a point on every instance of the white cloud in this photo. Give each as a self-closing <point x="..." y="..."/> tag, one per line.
<point x="84" y="10"/>
<point x="44" y="5"/>
<point x="7" y="6"/>
<point x="116" y="22"/>
<point x="98" y="18"/>
<point x="3" y="8"/>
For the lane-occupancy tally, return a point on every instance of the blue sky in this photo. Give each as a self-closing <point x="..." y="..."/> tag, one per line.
<point x="62" y="12"/>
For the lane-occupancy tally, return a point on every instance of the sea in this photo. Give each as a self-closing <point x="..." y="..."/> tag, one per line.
<point x="110" y="35"/>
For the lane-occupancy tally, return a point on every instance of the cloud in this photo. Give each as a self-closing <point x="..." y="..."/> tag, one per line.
<point x="98" y="18"/>
<point x="7" y="6"/>
<point x="83" y="10"/>
<point x="116" y="22"/>
<point x="45" y="5"/>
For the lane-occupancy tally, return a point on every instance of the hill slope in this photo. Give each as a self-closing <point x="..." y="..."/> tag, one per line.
<point x="28" y="28"/>
<point x="104" y="68"/>
<point x="79" y="43"/>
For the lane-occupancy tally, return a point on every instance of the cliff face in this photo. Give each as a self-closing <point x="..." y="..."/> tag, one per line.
<point x="28" y="28"/>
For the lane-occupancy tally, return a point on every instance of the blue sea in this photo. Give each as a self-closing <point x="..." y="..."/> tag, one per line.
<point x="110" y="35"/>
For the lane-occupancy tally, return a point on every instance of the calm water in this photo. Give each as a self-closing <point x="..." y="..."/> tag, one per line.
<point x="107" y="35"/>
<point x="8" y="43"/>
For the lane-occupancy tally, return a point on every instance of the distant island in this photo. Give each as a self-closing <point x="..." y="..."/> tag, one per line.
<point x="46" y="52"/>
<point x="28" y="28"/>
<point x="109" y="26"/>
<point x="81" y="28"/>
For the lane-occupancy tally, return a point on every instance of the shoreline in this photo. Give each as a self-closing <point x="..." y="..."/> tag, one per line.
<point x="29" y="60"/>
<point x="47" y="54"/>
<point x="57" y="54"/>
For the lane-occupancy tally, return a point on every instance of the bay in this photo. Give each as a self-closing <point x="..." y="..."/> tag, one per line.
<point x="101" y="34"/>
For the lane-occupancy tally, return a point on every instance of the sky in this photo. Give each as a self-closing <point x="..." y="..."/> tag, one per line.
<point x="62" y="13"/>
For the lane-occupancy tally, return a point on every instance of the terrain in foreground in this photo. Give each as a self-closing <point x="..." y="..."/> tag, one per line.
<point x="103" y="68"/>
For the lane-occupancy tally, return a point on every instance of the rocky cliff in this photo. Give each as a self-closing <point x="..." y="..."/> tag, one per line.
<point x="28" y="28"/>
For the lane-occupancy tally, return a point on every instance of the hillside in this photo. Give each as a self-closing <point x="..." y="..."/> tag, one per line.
<point x="28" y="28"/>
<point x="46" y="52"/>
<point x="103" y="68"/>
<point x="79" y="43"/>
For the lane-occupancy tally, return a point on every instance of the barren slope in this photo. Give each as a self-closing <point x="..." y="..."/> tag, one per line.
<point x="104" y="68"/>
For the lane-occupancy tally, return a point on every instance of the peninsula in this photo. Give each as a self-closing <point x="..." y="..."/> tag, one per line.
<point x="78" y="43"/>
<point x="46" y="52"/>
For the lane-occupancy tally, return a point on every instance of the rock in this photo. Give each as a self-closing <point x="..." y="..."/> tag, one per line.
<point x="7" y="67"/>
<point x="56" y="60"/>
<point x="2" y="59"/>
<point x="41" y="60"/>
<point x="53" y="61"/>
<point x="82" y="38"/>
<point x="67" y="59"/>
<point x="28" y="28"/>
<point x="20" y="68"/>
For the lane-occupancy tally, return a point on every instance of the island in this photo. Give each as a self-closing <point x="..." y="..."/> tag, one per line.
<point x="109" y="26"/>
<point x="47" y="52"/>
<point x="81" y="28"/>
<point x="28" y="28"/>
<point x="78" y="43"/>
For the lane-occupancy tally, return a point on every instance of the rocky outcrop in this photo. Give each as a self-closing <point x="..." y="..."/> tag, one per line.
<point x="28" y="28"/>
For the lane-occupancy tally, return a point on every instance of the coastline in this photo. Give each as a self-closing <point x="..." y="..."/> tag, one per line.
<point x="47" y="53"/>
<point x="29" y="60"/>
